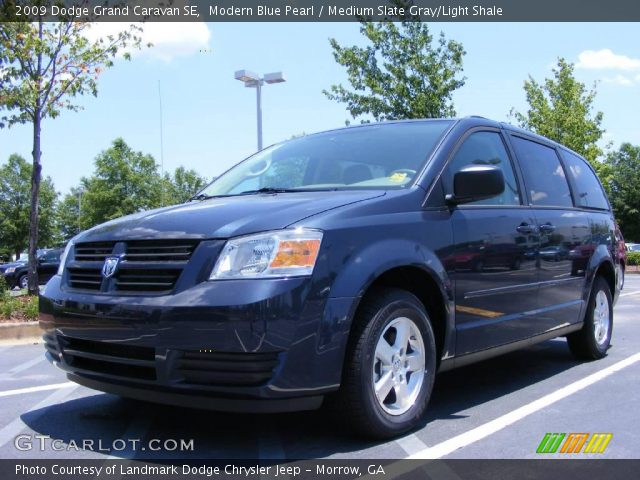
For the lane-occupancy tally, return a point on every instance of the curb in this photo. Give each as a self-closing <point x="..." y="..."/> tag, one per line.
<point x="20" y="332"/>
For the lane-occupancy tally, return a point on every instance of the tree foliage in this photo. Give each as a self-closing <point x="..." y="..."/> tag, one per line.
<point x="15" y="178"/>
<point x="69" y="214"/>
<point x="124" y="182"/>
<point x="561" y="108"/>
<point x="623" y="182"/>
<point x="182" y="185"/>
<point x="43" y="67"/>
<point x="401" y="73"/>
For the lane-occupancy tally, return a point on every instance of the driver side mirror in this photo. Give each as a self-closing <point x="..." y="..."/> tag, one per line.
<point x="476" y="182"/>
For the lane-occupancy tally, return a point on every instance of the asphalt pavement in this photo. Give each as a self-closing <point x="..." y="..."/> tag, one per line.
<point x="500" y="408"/>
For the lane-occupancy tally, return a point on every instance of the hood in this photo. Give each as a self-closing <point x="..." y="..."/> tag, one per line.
<point x="226" y="216"/>
<point x="4" y="266"/>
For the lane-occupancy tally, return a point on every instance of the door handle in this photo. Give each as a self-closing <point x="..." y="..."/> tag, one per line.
<point x="526" y="228"/>
<point x="547" y="228"/>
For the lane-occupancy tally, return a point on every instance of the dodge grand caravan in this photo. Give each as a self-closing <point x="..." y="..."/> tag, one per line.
<point x="347" y="267"/>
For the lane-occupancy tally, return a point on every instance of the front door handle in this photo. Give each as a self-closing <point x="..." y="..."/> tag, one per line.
<point x="547" y="228"/>
<point x="526" y="228"/>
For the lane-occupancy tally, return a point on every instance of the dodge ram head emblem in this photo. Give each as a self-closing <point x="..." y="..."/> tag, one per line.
<point x="110" y="266"/>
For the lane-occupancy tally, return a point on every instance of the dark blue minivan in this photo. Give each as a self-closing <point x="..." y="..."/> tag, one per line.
<point x="347" y="267"/>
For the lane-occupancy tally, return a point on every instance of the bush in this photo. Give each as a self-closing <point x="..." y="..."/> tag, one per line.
<point x="9" y="306"/>
<point x="633" y="258"/>
<point x="4" y="289"/>
<point x="31" y="308"/>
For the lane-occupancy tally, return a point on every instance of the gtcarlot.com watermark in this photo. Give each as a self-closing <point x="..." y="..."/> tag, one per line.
<point x="44" y="443"/>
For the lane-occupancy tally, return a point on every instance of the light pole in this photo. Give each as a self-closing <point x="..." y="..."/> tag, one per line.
<point x="253" y="80"/>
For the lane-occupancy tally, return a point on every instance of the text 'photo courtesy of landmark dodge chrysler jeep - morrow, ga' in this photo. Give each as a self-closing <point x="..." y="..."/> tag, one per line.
<point x="345" y="267"/>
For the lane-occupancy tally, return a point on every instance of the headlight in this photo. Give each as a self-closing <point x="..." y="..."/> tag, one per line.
<point x="63" y="257"/>
<point x="284" y="253"/>
<point x="10" y="270"/>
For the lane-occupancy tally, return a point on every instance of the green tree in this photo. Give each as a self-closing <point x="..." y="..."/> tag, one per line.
<point x="43" y="67"/>
<point x="124" y="182"/>
<point x="561" y="108"/>
<point x="401" y="73"/>
<point x="623" y="180"/>
<point x="182" y="185"/>
<point x="15" y="178"/>
<point x="68" y="211"/>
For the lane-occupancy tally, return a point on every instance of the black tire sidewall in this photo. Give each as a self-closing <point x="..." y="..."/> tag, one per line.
<point x="408" y="307"/>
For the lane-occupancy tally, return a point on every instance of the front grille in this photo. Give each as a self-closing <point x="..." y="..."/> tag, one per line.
<point x="159" y="251"/>
<point x="137" y="280"/>
<point x="152" y="266"/>
<point x="93" y="252"/>
<point x="85" y="278"/>
<point x="128" y="361"/>
<point x="220" y="369"/>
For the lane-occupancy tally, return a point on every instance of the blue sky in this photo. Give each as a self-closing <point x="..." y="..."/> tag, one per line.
<point x="209" y="118"/>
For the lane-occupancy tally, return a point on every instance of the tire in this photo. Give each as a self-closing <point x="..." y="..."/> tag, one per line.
<point x="594" y="339"/>
<point x="23" y="281"/>
<point x="382" y="315"/>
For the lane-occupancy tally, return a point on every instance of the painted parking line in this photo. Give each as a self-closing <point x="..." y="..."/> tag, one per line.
<point x="26" y="365"/>
<point x="411" y="444"/>
<point x="629" y="293"/>
<point x="464" y="439"/>
<point x="41" y="388"/>
<point x="9" y="432"/>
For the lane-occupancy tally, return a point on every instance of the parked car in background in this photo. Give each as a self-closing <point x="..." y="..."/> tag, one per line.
<point x="16" y="273"/>
<point x="347" y="266"/>
<point x="632" y="247"/>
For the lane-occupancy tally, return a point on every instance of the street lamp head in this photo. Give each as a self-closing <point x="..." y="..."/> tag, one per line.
<point x="275" y="77"/>
<point x="246" y="76"/>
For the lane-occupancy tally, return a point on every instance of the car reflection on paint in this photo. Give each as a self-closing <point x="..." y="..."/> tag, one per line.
<point x="554" y="253"/>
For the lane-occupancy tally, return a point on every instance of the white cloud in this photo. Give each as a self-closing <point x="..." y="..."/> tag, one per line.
<point x="606" y="59"/>
<point x="620" y="80"/>
<point x="169" y="39"/>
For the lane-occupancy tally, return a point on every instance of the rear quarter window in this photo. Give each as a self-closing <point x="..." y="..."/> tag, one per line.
<point x="589" y="193"/>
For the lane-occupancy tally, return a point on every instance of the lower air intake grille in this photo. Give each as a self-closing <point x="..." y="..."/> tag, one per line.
<point x="238" y="369"/>
<point x="127" y="361"/>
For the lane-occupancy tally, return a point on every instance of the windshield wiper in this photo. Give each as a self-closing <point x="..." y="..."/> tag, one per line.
<point x="204" y="196"/>
<point x="269" y="190"/>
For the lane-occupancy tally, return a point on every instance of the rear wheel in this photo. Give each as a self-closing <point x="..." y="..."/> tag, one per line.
<point x="390" y="366"/>
<point x="594" y="339"/>
<point x="23" y="281"/>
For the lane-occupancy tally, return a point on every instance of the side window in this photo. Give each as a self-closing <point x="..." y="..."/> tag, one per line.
<point x="487" y="148"/>
<point x="589" y="191"/>
<point x="543" y="174"/>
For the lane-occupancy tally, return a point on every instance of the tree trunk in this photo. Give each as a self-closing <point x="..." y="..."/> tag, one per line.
<point x="35" y="200"/>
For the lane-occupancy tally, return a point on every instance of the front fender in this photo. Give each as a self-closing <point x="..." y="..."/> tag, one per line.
<point x="363" y="268"/>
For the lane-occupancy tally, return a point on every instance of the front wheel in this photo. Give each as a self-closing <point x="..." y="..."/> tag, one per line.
<point x="23" y="281"/>
<point x="594" y="339"/>
<point x="390" y="365"/>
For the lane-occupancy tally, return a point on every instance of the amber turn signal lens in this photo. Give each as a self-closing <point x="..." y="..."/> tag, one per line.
<point x="296" y="253"/>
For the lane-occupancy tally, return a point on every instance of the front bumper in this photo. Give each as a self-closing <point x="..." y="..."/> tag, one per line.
<point x="246" y="345"/>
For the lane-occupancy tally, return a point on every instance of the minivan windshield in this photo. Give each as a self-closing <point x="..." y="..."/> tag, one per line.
<point x="387" y="156"/>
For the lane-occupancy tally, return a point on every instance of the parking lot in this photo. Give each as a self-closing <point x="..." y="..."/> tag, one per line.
<point x="500" y="408"/>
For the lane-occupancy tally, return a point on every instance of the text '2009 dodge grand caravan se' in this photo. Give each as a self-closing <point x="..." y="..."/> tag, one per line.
<point x="348" y="266"/>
